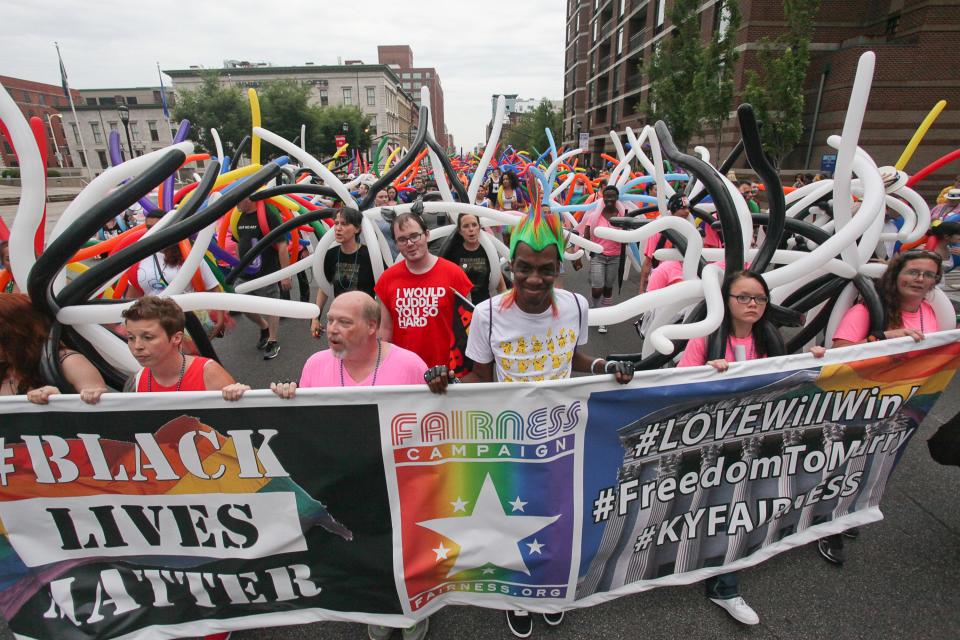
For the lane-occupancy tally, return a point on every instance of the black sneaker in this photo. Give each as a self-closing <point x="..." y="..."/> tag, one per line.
<point x="831" y="548"/>
<point x="264" y="338"/>
<point x="271" y="350"/>
<point x="853" y="533"/>
<point x="553" y="619"/>
<point x="520" y="623"/>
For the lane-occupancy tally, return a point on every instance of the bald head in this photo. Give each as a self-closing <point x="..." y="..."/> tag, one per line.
<point x="358" y="305"/>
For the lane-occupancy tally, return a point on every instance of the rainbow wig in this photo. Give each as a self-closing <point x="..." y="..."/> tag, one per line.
<point x="537" y="229"/>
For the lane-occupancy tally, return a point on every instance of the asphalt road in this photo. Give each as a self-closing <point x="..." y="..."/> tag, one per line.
<point x="900" y="580"/>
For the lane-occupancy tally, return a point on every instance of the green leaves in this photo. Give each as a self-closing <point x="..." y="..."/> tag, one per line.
<point x="285" y="105"/>
<point x="214" y="106"/>
<point x="529" y="133"/>
<point x="691" y="85"/>
<point x="777" y="93"/>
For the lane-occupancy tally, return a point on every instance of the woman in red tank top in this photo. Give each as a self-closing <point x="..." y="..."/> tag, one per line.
<point x="154" y="335"/>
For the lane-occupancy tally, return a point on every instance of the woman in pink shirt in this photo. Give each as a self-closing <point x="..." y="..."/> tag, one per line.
<point x="903" y="287"/>
<point x="749" y="334"/>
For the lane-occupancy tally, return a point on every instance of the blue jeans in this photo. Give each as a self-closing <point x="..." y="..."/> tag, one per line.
<point x="723" y="586"/>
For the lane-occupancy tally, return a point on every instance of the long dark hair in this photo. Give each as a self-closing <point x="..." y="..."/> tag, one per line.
<point x="23" y="332"/>
<point x="889" y="293"/>
<point x="767" y="340"/>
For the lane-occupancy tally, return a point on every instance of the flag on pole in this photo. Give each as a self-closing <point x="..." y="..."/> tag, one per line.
<point x="163" y="94"/>
<point x="63" y="76"/>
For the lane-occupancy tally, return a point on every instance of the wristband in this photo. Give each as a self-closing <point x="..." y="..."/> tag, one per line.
<point x="594" y="364"/>
<point x="876" y="335"/>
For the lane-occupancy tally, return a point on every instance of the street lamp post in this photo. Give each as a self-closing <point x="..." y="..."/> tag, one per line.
<point x="53" y="133"/>
<point x="124" y="112"/>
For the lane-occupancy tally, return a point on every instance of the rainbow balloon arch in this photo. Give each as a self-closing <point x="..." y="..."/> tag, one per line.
<point x="830" y="229"/>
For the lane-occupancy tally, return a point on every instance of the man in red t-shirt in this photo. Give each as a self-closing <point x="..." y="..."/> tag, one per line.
<point x="417" y="294"/>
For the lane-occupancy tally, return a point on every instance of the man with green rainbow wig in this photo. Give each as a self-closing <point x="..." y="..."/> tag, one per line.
<point x="531" y="333"/>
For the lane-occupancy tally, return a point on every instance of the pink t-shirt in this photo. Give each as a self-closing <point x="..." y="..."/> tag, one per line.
<point x="665" y="274"/>
<point x="855" y="324"/>
<point x="695" y="354"/>
<point x="594" y="219"/>
<point x="399" y="366"/>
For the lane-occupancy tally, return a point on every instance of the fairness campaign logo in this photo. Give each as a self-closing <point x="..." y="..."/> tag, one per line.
<point x="484" y="527"/>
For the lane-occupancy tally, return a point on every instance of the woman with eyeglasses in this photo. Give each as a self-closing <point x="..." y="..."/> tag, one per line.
<point x="749" y="335"/>
<point x="903" y="288"/>
<point x="747" y="297"/>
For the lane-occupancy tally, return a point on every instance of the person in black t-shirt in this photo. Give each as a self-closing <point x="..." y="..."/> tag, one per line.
<point x="465" y="251"/>
<point x="272" y="260"/>
<point x="346" y="265"/>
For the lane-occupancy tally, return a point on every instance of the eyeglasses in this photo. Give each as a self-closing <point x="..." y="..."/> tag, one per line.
<point x="525" y="270"/>
<point x="413" y="238"/>
<point x="917" y="273"/>
<point x="745" y="299"/>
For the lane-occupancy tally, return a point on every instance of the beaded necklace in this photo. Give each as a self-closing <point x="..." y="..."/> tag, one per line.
<point x="183" y="369"/>
<point x="353" y="274"/>
<point x="376" y="367"/>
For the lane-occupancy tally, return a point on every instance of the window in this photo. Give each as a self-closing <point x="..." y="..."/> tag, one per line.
<point x="596" y="25"/>
<point x="102" y="156"/>
<point x="135" y="131"/>
<point x="113" y="125"/>
<point x="371" y="96"/>
<point x="41" y="99"/>
<point x="324" y="98"/>
<point x="623" y="7"/>
<point x="348" y="95"/>
<point x="154" y="132"/>
<point x="91" y="101"/>
<point x="660" y="15"/>
<point x="131" y="100"/>
<point x="578" y="22"/>
<point x="418" y="76"/>
<point x="83" y="159"/>
<point x="110" y="101"/>
<point x="76" y="132"/>
<point x="156" y="97"/>
<point x="619" y="40"/>
<point x="97" y="133"/>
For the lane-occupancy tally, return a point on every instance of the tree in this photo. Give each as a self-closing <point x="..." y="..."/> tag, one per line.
<point x="714" y="80"/>
<point x="777" y="92"/>
<point x="214" y="106"/>
<point x="674" y="66"/>
<point x="530" y="131"/>
<point x="284" y="107"/>
<point x="329" y="124"/>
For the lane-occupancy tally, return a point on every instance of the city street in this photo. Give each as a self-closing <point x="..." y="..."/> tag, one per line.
<point x="899" y="580"/>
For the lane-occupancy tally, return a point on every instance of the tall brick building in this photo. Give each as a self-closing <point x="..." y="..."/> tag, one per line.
<point x="400" y="58"/>
<point x="609" y="46"/>
<point x="47" y="102"/>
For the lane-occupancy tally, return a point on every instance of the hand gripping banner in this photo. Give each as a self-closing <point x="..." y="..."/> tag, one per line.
<point x="166" y="516"/>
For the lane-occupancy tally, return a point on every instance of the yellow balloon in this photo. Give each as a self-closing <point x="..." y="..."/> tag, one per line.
<point x="255" y="118"/>
<point x="226" y="178"/>
<point x="393" y="154"/>
<point x="918" y="135"/>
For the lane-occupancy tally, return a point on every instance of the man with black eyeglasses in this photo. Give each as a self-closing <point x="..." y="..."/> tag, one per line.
<point x="417" y="296"/>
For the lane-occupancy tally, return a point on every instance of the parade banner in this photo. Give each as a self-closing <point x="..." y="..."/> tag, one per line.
<point x="179" y="515"/>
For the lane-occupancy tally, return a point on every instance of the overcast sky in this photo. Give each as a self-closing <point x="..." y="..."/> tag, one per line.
<point x="478" y="48"/>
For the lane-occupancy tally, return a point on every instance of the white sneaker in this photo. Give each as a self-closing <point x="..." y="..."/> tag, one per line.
<point x="738" y="609"/>
<point x="602" y="328"/>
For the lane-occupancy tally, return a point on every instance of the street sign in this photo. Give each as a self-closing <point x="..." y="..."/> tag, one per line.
<point x="828" y="162"/>
<point x="340" y="140"/>
<point x="584" y="140"/>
